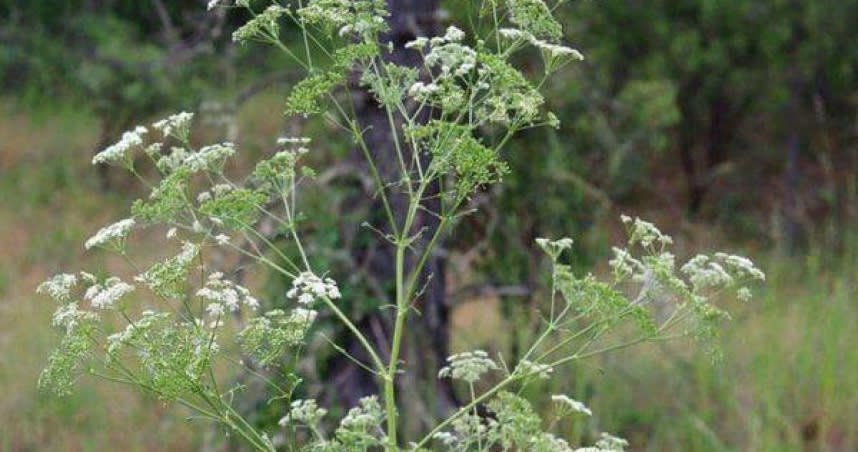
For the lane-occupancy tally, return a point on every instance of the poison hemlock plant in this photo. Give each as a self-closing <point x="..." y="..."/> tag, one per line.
<point x="197" y="317"/>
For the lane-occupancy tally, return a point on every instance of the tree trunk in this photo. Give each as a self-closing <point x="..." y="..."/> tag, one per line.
<point x="427" y="340"/>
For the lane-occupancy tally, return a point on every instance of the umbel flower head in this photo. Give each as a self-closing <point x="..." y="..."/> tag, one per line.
<point x="566" y="404"/>
<point x="106" y="294"/>
<point x="467" y="366"/>
<point x="118" y="153"/>
<point x="225" y="296"/>
<point x="112" y="235"/>
<point x="58" y="287"/>
<point x="177" y="125"/>
<point x="305" y="411"/>
<point x="308" y="287"/>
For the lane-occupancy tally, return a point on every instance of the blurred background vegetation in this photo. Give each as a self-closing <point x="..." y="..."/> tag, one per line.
<point x="731" y="123"/>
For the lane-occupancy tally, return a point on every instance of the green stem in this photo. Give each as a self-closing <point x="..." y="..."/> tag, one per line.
<point x="402" y="300"/>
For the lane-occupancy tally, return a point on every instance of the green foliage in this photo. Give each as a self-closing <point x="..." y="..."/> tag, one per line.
<point x="267" y="338"/>
<point x="237" y="209"/>
<point x="65" y="365"/>
<point x="455" y="151"/>
<point x="307" y="95"/>
<point x="535" y="17"/>
<point x="510" y="97"/>
<point x="166" y="201"/>
<point x="169" y="278"/>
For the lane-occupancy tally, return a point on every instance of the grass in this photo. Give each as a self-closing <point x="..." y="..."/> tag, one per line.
<point x="49" y="204"/>
<point x="787" y="382"/>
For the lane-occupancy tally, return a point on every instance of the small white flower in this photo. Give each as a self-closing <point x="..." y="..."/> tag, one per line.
<point x="530" y="369"/>
<point x="557" y="51"/>
<point x="422" y="90"/>
<point x="222" y="189"/>
<point x="118" y="153"/>
<point x="177" y="125"/>
<point x="514" y="33"/>
<point x="225" y="296"/>
<point x="306" y="411"/>
<point x="447" y="438"/>
<point x="308" y="287"/>
<point x="467" y="366"/>
<point x="104" y="296"/>
<point x="608" y="442"/>
<point x="454" y="34"/>
<point x="283" y="141"/>
<point x="554" y="247"/>
<point x="418" y="43"/>
<point x="68" y="316"/>
<point x="113" y="234"/>
<point x="645" y="233"/>
<point x="171" y="233"/>
<point x="222" y="239"/>
<point x="568" y="403"/>
<point x="88" y="277"/>
<point x="306" y="298"/>
<point x="215" y="309"/>
<point x="58" y="287"/>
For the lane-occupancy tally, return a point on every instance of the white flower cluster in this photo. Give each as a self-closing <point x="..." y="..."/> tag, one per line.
<point x="177" y="125"/>
<point x="263" y="25"/>
<point x="215" y="3"/>
<point x="447" y="53"/>
<point x="741" y="266"/>
<point x="570" y="405"/>
<point x="302" y="318"/>
<point x="118" y="152"/>
<point x="422" y="90"/>
<point x="467" y="366"/>
<point x="554" y="247"/>
<point x="721" y="270"/>
<point x="208" y="155"/>
<point x="644" y="232"/>
<point x="624" y="264"/>
<point x="106" y="294"/>
<point x="528" y="368"/>
<point x="216" y="190"/>
<point x="552" y="51"/>
<point x="446" y="438"/>
<point x="608" y="442"/>
<point x="172" y="161"/>
<point x="366" y="415"/>
<point x="225" y="296"/>
<point x="306" y="411"/>
<point x="363" y="18"/>
<point x="68" y="316"/>
<point x="308" y="287"/>
<point x="363" y="27"/>
<point x="203" y="159"/>
<point x="294" y="141"/>
<point x="703" y="272"/>
<point x="58" y="287"/>
<point x="113" y="235"/>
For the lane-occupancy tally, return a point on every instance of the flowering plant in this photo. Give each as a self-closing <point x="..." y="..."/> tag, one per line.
<point x="181" y="325"/>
